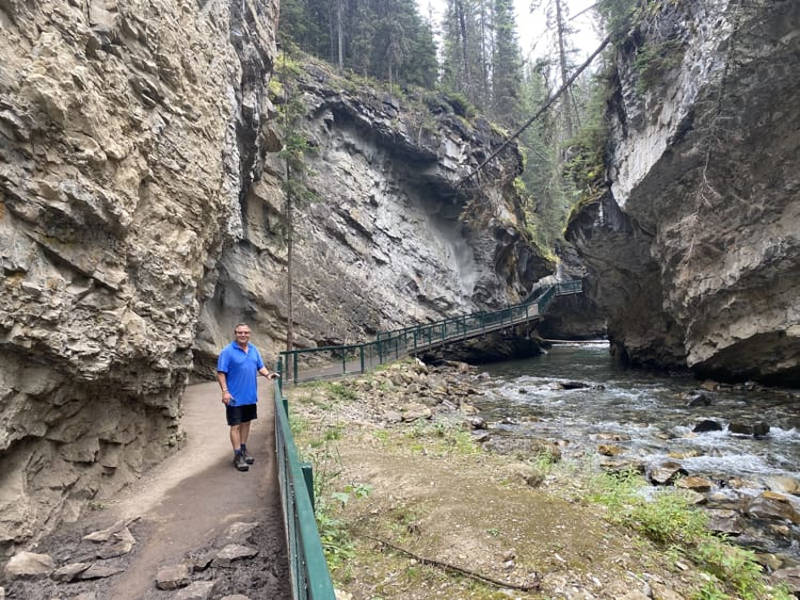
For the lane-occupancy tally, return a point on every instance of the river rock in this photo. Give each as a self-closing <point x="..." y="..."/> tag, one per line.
<point x="772" y="505"/>
<point x="696" y="399"/>
<point x="784" y="484"/>
<point x="571" y="385"/>
<point x="173" y="577"/>
<point x="759" y="429"/>
<point x="725" y="521"/>
<point x="476" y="423"/>
<point x="707" y="425"/>
<point x="414" y="412"/>
<point x="610" y="449"/>
<point x="698" y="484"/>
<point x="664" y="473"/>
<point x="29" y="565"/>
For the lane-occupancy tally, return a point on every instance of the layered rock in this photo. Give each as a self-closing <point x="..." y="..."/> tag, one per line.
<point x="391" y="238"/>
<point x="696" y="250"/>
<point x="121" y="124"/>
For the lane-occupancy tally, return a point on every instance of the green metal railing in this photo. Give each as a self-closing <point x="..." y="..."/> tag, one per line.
<point x="310" y="577"/>
<point x="328" y="361"/>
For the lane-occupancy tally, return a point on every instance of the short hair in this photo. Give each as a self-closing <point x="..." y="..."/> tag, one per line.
<point x="235" y="327"/>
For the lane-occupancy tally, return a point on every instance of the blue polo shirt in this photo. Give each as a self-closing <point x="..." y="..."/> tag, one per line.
<point x="241" y="370"/>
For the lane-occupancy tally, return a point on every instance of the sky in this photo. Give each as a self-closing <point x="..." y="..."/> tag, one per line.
<point x="532" y="26"/>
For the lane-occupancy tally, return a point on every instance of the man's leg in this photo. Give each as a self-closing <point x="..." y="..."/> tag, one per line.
<point x="244" y="432"/>
<point x="236" y="437"/>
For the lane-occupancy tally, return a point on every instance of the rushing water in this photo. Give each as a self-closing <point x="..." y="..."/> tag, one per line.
<point x="647" y="416"/>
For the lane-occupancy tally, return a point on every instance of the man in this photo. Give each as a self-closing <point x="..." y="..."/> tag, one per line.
<point x="238" y="367"/>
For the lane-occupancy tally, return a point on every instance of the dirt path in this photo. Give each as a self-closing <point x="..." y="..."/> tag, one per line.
<point x="182" y="509"/>
<point x="194" y="495"/>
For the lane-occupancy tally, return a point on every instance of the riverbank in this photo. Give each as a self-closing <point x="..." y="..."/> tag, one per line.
<point x="411" y="505"/>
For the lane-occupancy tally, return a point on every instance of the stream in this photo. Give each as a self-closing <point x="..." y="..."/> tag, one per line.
<point x="647" y="422"/>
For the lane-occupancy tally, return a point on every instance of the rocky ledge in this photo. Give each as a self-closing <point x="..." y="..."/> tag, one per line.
<point x="695" y="250"/>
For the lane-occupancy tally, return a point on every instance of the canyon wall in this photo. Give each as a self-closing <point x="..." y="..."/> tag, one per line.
<point x="120" y="174"/>
<point x="695" y="250"/>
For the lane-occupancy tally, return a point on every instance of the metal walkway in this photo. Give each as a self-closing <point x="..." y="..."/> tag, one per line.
<point x="330" y="361"/>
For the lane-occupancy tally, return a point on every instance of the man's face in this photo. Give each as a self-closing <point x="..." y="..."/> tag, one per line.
<point x="242" y="335"/>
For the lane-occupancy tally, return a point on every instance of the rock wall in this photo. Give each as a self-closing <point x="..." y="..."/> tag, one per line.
<point x="125" y="131"/>
<point x="696" y="250"/>
<point x="390" y="239"/>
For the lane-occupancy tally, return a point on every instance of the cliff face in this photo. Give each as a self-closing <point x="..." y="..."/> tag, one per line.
<point x="696" y="250"/>
<point x="120" y="170"/>
<point x="390" y="238"/>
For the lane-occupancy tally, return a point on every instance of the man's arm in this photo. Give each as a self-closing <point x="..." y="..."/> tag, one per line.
<point x="222" y="378"/>
<point x="266" y="373"/>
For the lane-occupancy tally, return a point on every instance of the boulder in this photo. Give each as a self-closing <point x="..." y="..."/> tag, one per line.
<point x="610" y="449"/>
<point x="772" y="505"/>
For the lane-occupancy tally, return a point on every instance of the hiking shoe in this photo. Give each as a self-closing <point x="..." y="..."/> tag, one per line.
<point x="247" y="458"/>
<point x="239" y="463"/>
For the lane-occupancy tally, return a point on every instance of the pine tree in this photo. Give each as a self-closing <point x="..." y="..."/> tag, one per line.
<point x="506" y="64"/>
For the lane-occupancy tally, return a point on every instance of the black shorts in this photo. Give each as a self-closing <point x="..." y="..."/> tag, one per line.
<point x="240" y="414"/>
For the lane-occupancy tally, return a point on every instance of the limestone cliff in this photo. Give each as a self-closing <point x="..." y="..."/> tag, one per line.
<point x="391" y="238"/>
<point x="120" y="171"/>
<point x="695" y="251"/>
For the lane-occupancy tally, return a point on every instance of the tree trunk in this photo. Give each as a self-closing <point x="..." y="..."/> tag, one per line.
<point x="339" y="35"/>
<point x="566" y="105"/>
<point x="462" y="21"/>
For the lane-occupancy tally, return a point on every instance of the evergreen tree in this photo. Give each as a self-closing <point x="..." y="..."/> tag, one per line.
<point x="506" y="64"/>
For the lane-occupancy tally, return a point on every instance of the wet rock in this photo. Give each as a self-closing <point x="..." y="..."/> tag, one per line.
<point x="522" y="391"/>
<point x="481" y="437"/>
<point x="173" y="577"/>
<point x="709" y="385"/>
<point x="759" y="429"/>
<point x="413" y="412"/>
<point x="772" y="505"/>
<point x="233" y="552"/>
<point x="572" y="385"/>
<point x="199" y="590"/>
<point x="614" y="437"/>
<point x="610" y="450"/>
<point x="29" y="565"/>
<point x="707" y="425"/>
<point x="784" y="484"/>
<point x="70" y="572"/>
<point x="665" y="473"/>
<point x="693" y="400"/>
<point x="685" y="454"/>
<point x="698" y="484"/>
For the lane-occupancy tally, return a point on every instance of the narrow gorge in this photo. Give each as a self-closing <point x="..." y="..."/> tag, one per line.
<point x="142" y="215"/>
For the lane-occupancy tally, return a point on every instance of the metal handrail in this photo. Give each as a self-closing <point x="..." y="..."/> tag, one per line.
<point x="389" y="345"/>
<point x="311" y="579"/>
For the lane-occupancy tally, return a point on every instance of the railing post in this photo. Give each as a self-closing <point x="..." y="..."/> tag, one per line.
<point x="294" y="358"/>
<point x="279" y="370"/>
<point x="308" y="476"/>
<point x="380" y="352"/>
<point x="344" y="361"/>
<point x="361" y="349"/>
<point x="415" y="338"/>
<point x="285" y="402"/>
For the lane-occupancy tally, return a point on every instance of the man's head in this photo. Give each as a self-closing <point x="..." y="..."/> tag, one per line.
<point x="241" y="333"/>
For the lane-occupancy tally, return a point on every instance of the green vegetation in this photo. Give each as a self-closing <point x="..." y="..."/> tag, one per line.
<point x="670" y="521"/>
